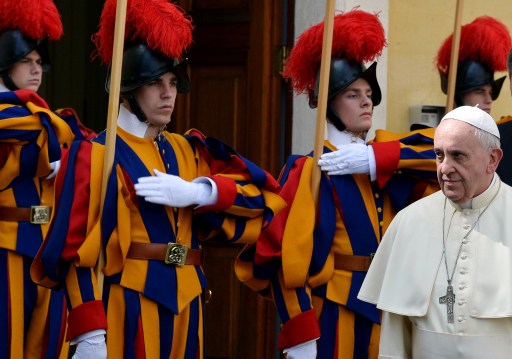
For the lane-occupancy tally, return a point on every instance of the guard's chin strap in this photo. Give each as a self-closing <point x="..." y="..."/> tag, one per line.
<point x="458" y="100"/>
<point x="134" y="106"/>
<point x="335" y="119"/>
<point x="8" y="81"/>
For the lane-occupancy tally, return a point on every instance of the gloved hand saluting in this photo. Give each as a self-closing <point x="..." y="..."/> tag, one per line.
<point x="174" y="191"/>
<point x="349" y="159"/>
<point x="91" y="345"/>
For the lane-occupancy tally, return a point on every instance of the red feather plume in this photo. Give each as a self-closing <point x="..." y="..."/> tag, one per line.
<point x="160" y="24"/>
<point x="357" y="35"/>
<point x="485" y="40"/>
<point x="36" y="19"/>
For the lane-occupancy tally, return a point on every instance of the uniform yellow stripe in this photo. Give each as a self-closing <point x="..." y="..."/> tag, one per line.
<point x="116" y="315"/>
<point x="16" y="285"/>
<point x="345" y="333"/>
<point x="35" y="334"/>
<point x="290" y="298"/>
<point x="151" y="327"/>
<point x="179" y="339"/>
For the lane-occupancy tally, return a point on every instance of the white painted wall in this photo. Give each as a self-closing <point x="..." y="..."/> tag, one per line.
<point x="307" y="14"/>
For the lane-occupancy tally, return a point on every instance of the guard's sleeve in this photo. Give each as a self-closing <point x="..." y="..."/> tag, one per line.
<point x="248" y="198"/>
<point x="279" y="261"/>
<point x="299" y="324"/>
<point x="80" y="131"/>
<point x="287" y="243"/>
<point x="31" y="137"/>
<point x="67" y="257"/>
<point x="410" y="153"/>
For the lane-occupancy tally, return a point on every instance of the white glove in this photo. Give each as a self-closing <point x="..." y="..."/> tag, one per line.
<point x="55" y="166"/>
<point x="174" y="191"/>
<point x="349" y="159"/>
<point x="91" y="345"/>
<point x="305" y="350"/>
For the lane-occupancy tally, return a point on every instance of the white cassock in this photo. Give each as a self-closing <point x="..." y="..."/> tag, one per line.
<point x="408" y="276"/>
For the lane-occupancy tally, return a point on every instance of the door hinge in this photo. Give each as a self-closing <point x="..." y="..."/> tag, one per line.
<point x="281" y="55"/>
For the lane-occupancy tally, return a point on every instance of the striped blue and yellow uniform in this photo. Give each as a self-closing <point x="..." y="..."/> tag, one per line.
<point x="294" y="260"/>
<point x="153" y="310"/>
<point x="31" y="136"/>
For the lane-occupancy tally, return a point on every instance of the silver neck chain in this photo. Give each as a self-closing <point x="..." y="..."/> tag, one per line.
<point x="450" y="277"/>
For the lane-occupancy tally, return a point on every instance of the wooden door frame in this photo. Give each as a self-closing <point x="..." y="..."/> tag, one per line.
<point x="266" y="39"/>
<point x="270" y="101"/>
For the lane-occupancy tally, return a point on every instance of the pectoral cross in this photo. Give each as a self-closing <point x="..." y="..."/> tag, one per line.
<point x="449" y="300"/>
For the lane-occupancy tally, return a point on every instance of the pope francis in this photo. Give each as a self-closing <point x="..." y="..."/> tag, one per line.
<point x="442" y="275"/>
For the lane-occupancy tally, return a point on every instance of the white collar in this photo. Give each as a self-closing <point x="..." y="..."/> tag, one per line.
<point x="482" y="199"/>
<point x="3" y="88"/>
<point x="338" y="138"/>
<point x="130" y="123"/>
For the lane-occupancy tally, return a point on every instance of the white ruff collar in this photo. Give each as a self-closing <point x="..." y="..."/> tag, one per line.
<point x="338" y="138"/>
<point x="130" y="123"/>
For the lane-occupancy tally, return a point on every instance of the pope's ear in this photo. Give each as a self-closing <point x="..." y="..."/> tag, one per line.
<point x="495" y="157"/>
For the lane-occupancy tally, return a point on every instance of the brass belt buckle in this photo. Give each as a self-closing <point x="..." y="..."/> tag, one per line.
<point x="39" y="214"/>
<point x="176" y="254"/>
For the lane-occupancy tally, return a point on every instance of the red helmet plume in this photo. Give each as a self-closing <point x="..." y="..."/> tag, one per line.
<point x="357" y="36"/>
<point x="158" y="23"/>
<point x="36" y="19"/>
<point x="485" y="40"/>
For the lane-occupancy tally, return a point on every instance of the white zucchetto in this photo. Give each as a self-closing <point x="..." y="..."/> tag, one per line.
<point x="475" y="117"/>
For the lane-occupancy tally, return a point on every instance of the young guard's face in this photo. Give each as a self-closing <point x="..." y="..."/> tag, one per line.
<point x="156" y="99"/>
<point x="354" y="106"/>
<point x="27" y="73"/>
<point x="481" y="97"/>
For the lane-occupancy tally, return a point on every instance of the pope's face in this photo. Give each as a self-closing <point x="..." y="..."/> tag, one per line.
<point x="465" y="167"/>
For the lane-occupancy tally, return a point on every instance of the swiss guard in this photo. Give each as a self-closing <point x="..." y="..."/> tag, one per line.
<point x="166" y="194"/>
<point x="313" y="257"/>
<point x="33" y="318"/>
